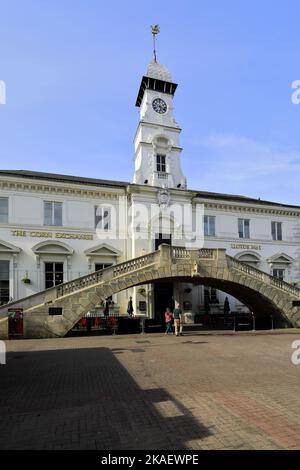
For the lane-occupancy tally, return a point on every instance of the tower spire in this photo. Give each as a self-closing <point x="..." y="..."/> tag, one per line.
<point x="154" y="30"/>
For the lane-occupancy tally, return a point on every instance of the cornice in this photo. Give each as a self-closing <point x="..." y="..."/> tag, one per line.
<point x="63" y="189"/>
<point x="149" y="144"/>
<point x="272" y="210"/>
<point x="12" y="184"/>
<point x="155" y="126"/>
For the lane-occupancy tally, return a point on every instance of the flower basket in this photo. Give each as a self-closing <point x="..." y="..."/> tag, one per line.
<point x="26" y="279"/>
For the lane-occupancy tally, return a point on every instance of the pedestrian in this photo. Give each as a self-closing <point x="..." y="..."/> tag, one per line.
<point x="226" y="306"/>
<point x="168" y="321"/>
<point x="130" y="307"/>
<point x="106" y="308"/>
<point x="178" y="320"/>
<point x="89" y="322"/>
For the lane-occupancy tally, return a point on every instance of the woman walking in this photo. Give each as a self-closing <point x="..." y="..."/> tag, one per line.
<point x="168" y="320"/>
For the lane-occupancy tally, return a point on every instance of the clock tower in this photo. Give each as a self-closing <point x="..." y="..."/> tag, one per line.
<point x="156" y="142"/>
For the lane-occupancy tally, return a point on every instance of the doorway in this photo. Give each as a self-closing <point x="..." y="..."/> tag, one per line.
<point x="163" y="291"/>
<point x="4" y="282"/>
<point x="162" y="238"/>
<point x="163" y="298"/>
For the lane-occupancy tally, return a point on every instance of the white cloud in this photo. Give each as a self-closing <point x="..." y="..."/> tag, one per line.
<point x="237" y="164"/>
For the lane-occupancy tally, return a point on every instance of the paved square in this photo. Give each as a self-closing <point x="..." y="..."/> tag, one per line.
<point x="200" y="391"/>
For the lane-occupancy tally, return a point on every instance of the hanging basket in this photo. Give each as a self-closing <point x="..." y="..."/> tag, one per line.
<point x="26" y="279"/>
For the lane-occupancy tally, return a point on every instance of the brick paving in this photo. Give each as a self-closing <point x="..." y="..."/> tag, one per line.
<point x="200" y="391"/>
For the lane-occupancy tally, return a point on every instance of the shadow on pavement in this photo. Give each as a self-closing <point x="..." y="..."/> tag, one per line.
<point x="86" y="399"/>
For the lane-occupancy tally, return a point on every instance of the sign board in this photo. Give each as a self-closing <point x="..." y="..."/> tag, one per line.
<point x="142" y="306"/>
<point x="55" y="310"/>
<point x="296" y="303"/>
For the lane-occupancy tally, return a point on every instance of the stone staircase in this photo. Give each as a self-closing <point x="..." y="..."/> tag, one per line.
<point x="53" y="312"/>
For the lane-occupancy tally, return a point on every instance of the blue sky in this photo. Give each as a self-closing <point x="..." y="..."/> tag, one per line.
<point x="72" y="69"/>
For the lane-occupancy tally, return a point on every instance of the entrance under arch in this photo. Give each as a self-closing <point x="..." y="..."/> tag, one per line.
<point x="163" y="290"/>
<point x="261" y="293"/>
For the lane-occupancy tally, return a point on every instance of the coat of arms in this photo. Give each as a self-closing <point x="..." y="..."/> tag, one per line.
<point x="163" y="198"/>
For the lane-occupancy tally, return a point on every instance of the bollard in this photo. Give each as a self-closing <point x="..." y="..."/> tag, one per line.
<point x="253" y="324"/>
<point x="2" y="352"/>
<point x="142" y="325"/>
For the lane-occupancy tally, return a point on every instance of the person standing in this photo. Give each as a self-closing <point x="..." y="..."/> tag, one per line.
<point x="168" y="321"/>
<point x="130" y="307"/>
<point x="226" y="306"/>
<point x="106" y="308"/>
<point x="178" y="321"/>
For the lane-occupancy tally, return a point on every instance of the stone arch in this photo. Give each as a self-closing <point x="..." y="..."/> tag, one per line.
<point x="52" y="247"/>
<point x="258" y="302"/>
<point x="258" y="290"/>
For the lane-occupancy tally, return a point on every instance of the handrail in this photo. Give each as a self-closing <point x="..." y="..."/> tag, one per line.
<point x="109" y="273"/>
<point x="261" y="275"/>
<point x="185" y="253"/>
<point x="207" y="253"/>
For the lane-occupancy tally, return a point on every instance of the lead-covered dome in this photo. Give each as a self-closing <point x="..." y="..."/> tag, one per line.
<point x="158" y="71"/>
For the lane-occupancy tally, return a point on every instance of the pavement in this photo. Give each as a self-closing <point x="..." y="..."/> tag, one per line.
<point x="151" y="391"/>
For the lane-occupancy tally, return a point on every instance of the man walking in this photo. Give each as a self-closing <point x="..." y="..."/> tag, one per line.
<point x="177" y="315"/>
<point x="130" y="307"/>
<point x="226" y="306"/>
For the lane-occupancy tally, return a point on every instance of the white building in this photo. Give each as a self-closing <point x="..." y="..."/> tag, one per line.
<point x="48" y="221"/>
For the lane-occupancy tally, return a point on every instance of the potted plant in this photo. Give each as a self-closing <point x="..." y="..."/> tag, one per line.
<point x="26" y="279"/>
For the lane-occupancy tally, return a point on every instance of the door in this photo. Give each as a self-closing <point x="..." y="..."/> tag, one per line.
<point x="54" y="274"/>
<point x="163" y="291"/>
<point x="4" y="282"/>
<point x="163" y="298"/>
<point x="162" y="238"/>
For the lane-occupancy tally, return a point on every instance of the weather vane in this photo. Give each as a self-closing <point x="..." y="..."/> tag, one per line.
<point x="155" y="30"/>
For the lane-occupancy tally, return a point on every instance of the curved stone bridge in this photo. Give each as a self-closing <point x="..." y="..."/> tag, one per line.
<point x="262" y="293"/>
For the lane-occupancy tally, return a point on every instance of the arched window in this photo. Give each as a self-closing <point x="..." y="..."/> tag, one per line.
<point x="161" y="148"/>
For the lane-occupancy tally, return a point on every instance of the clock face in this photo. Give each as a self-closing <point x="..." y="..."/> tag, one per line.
<point x="159" y="106"/>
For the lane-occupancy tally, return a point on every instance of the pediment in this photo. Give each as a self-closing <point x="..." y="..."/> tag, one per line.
<point x="6" y="247"/>
<point x="280" y="258"/>
<point x="248" y="257"/>
<point x="52" y="248"/>
<point x="102" y="250"/>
